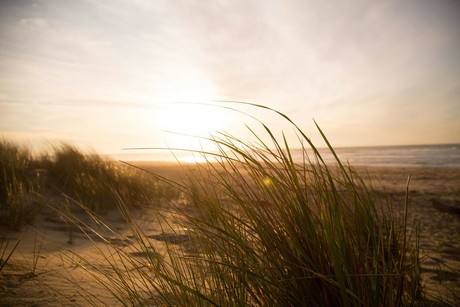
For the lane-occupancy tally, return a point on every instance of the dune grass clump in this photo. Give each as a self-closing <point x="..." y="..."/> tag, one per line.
<point x="260" y="228"/>
<point x="271" y="232"/>
<point x="19" y="201"/>
<point x="28" y="182"/>
<point x="100" y="184"/>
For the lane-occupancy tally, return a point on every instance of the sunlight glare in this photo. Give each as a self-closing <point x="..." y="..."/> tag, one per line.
<point x="192" y="119"/>
<point x="186" y="112"/>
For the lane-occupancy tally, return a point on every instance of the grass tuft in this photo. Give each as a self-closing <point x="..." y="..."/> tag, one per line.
<point x="99" y="183"/>
<point x="263" y="229"/>
<point x="19" y="187"/>
<point x="28" y="182"/>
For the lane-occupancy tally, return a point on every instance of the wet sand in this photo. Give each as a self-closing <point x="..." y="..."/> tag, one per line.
<point x="61" y="279"/>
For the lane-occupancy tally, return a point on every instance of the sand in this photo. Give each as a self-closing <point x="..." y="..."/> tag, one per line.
<point x="44" y="270"/>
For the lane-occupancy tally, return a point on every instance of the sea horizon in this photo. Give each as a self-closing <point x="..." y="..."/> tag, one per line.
<point x="419" y="155"/>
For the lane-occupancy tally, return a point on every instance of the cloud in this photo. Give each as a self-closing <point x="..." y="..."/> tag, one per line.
<point x="33" y="23"/>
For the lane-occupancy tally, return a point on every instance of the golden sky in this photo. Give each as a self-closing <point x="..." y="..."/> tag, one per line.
<point x="107" y="74"/>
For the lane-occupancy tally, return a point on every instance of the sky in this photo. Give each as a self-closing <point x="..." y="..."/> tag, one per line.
<point x="113" y="74"/>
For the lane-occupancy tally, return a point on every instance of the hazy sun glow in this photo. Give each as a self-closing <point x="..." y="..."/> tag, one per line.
<point x="192" y="120"/>
<point x="187" y="125"/>
<point x="186" y="111"/>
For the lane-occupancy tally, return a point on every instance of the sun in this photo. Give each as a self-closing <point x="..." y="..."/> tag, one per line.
<point x="190" y="123"/>
<point x="192" y="118"/>
<point x="184" y="111"/>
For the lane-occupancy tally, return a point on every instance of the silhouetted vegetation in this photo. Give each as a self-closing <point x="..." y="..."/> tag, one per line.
<point x="28" y="182"/>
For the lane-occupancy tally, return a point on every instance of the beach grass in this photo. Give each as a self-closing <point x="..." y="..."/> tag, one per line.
<point x="19" y="190"/>
<point x="99" y="184"/>
<point x="258" y="228"/>
<point x="28" y="182"/>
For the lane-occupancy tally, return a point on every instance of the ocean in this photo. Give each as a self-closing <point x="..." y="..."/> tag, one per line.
<point x="446" y="155"/>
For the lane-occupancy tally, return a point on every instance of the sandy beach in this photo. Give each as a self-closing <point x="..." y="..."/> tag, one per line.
<point x="45" y="269"/>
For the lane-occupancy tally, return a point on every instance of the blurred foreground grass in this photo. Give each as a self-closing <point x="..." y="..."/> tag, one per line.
<point x="27" y="182"/>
